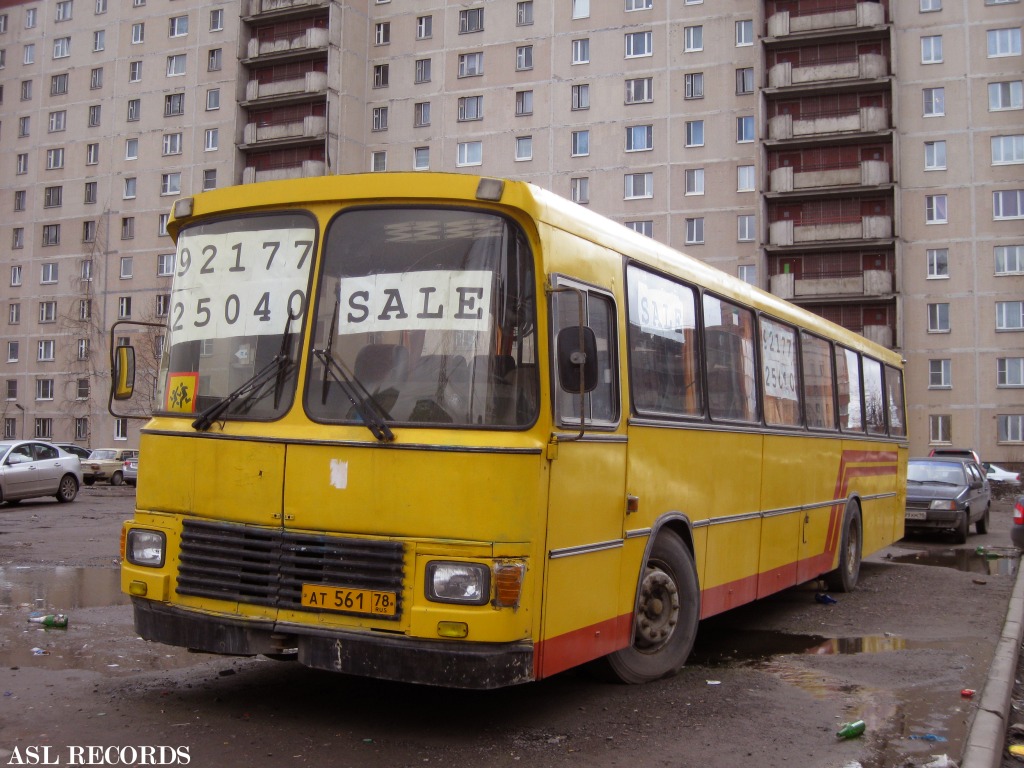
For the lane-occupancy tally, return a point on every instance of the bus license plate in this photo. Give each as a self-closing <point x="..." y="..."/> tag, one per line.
<point x="917" y="514"/>
<point x="367" y="601"/>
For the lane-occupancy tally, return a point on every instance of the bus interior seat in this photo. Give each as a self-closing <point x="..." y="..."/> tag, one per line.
<point x="380" y="366"/>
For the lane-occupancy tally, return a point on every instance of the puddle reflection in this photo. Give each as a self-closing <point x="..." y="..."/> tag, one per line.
<point x="991" y="561"/>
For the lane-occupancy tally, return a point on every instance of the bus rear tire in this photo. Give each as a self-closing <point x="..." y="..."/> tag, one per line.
<point x="845" y="577"/>
<point x="667" y="615"/>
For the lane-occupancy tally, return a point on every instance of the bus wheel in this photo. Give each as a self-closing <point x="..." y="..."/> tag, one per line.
<point x="667" y="615"/>
<point x="844" y="578"/>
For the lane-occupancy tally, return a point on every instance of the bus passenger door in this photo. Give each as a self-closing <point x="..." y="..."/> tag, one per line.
<point x="584" y="614"/>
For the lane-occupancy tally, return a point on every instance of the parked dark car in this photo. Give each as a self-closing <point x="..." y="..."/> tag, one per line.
<point x="1017" y="531"/>
<point x="947" y="493"/>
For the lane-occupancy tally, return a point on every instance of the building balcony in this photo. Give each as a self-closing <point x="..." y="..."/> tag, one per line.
<point x="306" y="169"/>
<point x="864" y="66"/>
<point x="255" y="9"/>
<point x="310" y="127"/>
<point x="787" y="232"/>
<point x="863" y="120"/>
<point x="868" y="173"/>
<point x="310" y="84"/>
<point x="314" y="38"/>
<point x="870" y="283"/>
<point x="786" y="23"/>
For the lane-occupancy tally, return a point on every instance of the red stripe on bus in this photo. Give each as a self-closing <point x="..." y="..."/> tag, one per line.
<point x="557" y="654"/>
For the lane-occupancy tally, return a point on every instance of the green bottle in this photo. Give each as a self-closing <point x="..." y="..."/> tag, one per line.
<point x="58" y="620"/>
<point x="851" y="730"/>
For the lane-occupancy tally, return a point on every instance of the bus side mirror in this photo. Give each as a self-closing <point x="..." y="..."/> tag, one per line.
<point x="577" y="368"/>
<point x="124" y="373"/>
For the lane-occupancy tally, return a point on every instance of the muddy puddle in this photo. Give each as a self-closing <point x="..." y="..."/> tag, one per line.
<point x="99" y="636"/>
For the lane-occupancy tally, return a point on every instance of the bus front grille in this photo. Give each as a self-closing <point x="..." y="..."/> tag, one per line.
<point x="265" y="566"/>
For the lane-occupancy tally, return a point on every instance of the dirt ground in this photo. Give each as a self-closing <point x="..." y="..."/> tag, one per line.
<point x="768" y="685"/>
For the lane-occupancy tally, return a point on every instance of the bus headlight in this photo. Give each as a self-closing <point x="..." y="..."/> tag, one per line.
<point x="144" y="547"/>
<point x="463" y="583"/>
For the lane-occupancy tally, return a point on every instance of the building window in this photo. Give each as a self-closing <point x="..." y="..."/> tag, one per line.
<point x="1006" y="95"/>
<point x="1007" y="150"/>
<point x="1009" y="315"/>
<point x="165" y="265"/>
<point x="695" y="231"/>
<point x="1009" y="259"/>
<point x="581" y="96"/>
<point x="126" y="268"/>
<point x="693" y="38"/>
<point x="214" y="60"/>
<point x="217" y="20"/>
<point x="59" y="84"/>
<point x="579" y="190"/>
<point x="378" y="161"/>
<point x="172" y="144"/>
<point x="1001" y="42"/>
<point x="90" y="192"/>
<point x="639" y="138"/>
<point x="53" y="197"/>
<point x="581" y="51"/>
<point x="138" y="33"/>
<point x="121" y="425"/>
<point x="471" y="20"/>
<point x="422" y="70"/>
<point x="744" y="80"/>
<point x="380" y="118"/>
<point x="935" y="211"/>
<point x="212" y="99"/>
<point x="92" y="154"/>
<point x="54" y="158"/>
<point x="639" y="44"/>
<point x="939" y="374"/>
<point x="940" y="429"/>
<point x="95" y="113"/>
<point x="382" y="33"/>
<point x="20" y="196"/>
<point x="1008" y="204"/>
<point x="99" y="40"/>
<point x="24" y="124"/>
<point x="694" y="178"/>
<point x="51" y="234"/>
<point x="134" y="110"/>
<point x="174" y="104"/>
<point x="524" y="103"/>
<point x="645" y="227"/>
<point x="86" y="271"/>
<point x="17" y="238"/>
<point x="47" y="311"/>
<point x="14" y="314"/>
<point x="580" y="9"/>
<point x="161" y="224"/>
<point x="127" y="227"/>
<point x="745" y="129"/>
<point x="639" y="90"/>
<point x="28" y="54"/>
<point x="421" y="114"/>
<point x="85" y="309"/>
<point x="61" y="47"/>
<point x="421" y="158"/>
<point x="938" y="318"/>
<point x="524" y="57"/>
<point x="639" y="185"/>
<point x="931" y="49"/>
<point x="935" y="155"/>
<point x="89" y="231"/>
<point x="130" y="188"/>
<point x="96" y="78"/>
<point x="931" y="5"/>
<point x="938" y="262"/>
<point x="424" y="27"/>
<point x="744" y="32"/>
<point x="471" y="108"/>
<point x="745" y="228"/>
<point x="44" y="351"/>
<point x="471" y="64"/>
<point x="381" y="76"/>
<point x="124" y="307"/>
<point x="470" y="153"/>
<point x="524" y="148"/>
<point x="745" y="178"/>
<point x="13" y="351"/>
<point x="524" y="13"/>
<point x="178" y="26"/>
<point x="693" y="85"/>
<point x="57" y="121"/>
<point x="176" y="65"/>
<point x="211" y="140"/>
<point x="580" y="143"/>
<point x="170" y="183"/>
<point x="1010" y="428"/>
<point x="695" y="133"/>
<point x="747" y="273"/>
<point x="1010" y="372"/>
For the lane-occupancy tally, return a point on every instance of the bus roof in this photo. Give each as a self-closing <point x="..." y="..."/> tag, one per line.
<point x="541" y="204"/>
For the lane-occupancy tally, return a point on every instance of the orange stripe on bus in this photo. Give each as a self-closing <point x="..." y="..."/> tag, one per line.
<point x="557" y="654"/>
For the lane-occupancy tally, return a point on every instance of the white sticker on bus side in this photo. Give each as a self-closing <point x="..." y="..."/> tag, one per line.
<point x="339" y="474"/>
<point x="431" y="300"/>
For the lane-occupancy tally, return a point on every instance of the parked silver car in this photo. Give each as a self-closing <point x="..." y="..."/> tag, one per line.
<point x="947" y="493"/>
<point x="31" y="468"/>
<point x="130" y="473"/>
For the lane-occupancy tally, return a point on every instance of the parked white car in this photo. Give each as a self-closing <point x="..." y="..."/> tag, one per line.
<point x="997" y="474"/>
<point x="31" y="468"/>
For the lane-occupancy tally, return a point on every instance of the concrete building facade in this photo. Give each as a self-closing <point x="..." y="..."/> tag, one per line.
<point x="862" y="159"/>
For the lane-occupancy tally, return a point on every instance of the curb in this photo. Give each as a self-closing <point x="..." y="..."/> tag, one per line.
<point x="987" y="735"/>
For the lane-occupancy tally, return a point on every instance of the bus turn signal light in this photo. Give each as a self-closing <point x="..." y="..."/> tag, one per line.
<point x="508" y="584"/>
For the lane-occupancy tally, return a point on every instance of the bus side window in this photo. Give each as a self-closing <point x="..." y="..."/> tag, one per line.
<point x="731" y="367"/>
<point x="602" y="404"/>
<point x="818" y="382"/>
<point x="851" y="418"/>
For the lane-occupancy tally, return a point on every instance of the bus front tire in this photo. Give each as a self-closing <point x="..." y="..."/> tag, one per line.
<point x="667" y="615"/>
<point x="844" y="578"/>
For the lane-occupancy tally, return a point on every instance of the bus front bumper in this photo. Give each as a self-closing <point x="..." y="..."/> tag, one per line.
<point x="453" y="664"/>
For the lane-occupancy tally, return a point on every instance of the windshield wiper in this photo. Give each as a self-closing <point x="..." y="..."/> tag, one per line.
<point x="372" y="413"/>
<point x="279" y="365"/>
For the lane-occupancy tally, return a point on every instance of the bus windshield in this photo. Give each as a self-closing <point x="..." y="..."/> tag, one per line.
<point x="236" y="313"/>
<point x="425" y="316"/>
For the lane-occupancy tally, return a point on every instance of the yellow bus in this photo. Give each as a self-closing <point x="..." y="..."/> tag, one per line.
<point x="459" y="431"/>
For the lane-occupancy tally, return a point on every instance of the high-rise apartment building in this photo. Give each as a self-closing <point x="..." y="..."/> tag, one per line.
<point x="862" y="159"/>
